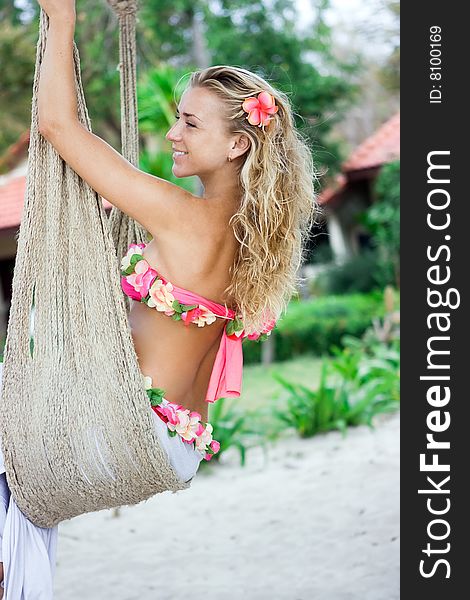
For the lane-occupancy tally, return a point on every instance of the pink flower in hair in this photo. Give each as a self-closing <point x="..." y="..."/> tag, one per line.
<point x="260" y="109"/>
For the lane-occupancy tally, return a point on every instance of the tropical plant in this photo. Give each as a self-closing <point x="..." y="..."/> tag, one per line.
<point x="383" y="221"/>
<point x="361" y="382"/>
<point x="357" y="274"/>
<point x="312" y="411"/>
<point x="234" y="428"/>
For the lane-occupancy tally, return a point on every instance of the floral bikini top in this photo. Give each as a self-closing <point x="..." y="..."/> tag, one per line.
<point x="141" y="282"/>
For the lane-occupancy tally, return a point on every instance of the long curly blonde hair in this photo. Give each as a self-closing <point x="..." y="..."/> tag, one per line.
<point x="278" y="202"/>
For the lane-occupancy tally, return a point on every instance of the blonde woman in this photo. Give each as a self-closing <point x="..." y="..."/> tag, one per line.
<point x="229" y="258"/>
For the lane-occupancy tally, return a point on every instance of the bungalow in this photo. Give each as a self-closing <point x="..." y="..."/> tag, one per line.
<point x="351" y="191"/>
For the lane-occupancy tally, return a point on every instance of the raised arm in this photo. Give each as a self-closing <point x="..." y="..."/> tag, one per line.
<point x="155" y="203"/>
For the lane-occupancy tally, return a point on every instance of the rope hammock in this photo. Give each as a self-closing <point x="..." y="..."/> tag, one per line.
<point x="80" y="387"/>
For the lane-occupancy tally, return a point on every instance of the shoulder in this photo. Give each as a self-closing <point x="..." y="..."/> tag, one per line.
<point x="193" y="219"/>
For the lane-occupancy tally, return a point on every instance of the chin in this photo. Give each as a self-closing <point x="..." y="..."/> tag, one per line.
<point x="178" y="172"/>
<point x="181" y="173"/>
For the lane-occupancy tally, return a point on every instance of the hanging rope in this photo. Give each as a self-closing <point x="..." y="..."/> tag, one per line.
<point x="125" y="230"/>
<point x="75" y="421"/>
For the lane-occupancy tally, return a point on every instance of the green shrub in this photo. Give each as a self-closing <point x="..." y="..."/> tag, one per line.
<point x="358" y="274"/>
<point x="383" y="221"/>
<point x="312" y="411"/>
<point x="321" y="253"/>
<point x="314" y="326"/>
<point x="361" y="382"/>
<point x="237" y="428"/>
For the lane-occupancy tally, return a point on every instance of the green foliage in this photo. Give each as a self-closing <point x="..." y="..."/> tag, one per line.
<point x="156" y="97"/>
<point x="313" y="326"/>
<point x="361" y="382"/>
<point x="383" y="221"/>
<point x="234" y="428"/>
<point x="256" y="35"/>
<point x="97" y="39"/>
<point x="320" y="253"/>
<point x="9" y="12"/>
<point x="390" y="72"/>
<point x="96" y="35"/>
<point x="358" y="274"/>
<point x="17" y="56"/>
<point x="311" y="411"/>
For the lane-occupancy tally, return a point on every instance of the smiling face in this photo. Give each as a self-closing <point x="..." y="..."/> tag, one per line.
<point x="201" y="133"/>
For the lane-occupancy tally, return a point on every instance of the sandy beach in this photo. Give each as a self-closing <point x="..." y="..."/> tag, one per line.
<point x="312" y="519"/>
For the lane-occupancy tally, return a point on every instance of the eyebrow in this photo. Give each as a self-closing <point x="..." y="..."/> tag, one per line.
<point x="189" y="115"/>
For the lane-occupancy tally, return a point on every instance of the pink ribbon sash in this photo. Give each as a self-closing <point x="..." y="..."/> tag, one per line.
<point x="227" y="372"/>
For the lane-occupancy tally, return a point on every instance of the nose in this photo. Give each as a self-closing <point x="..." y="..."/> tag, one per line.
<point x="173" y="135"/>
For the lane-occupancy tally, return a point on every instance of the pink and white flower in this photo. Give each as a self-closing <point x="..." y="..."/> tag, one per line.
<point x="161" y="297"/>
<point x="186" y="425"/>
<point x="126" y="259"/>
<point x="204" y="437"/>
<point x="169" y="413"/>
<point x="267" y="328"/>
<point x="138" y="283"/>
<point x="200" y="315"/>
<point x="215" y="446"/>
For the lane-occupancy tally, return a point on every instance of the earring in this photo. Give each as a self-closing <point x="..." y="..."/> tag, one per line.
<point x="229" y="158"/>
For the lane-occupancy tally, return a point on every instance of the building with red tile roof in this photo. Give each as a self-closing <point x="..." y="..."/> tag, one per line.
<point x="381" y="147"/>
<point x="365" y="161"/>
<point x="350" y="192"/>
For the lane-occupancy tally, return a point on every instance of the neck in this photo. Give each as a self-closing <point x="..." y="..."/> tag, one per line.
<point x="222" y="186"/>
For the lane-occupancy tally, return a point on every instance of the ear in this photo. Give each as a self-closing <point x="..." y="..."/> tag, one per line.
<point x="240" y="144"/>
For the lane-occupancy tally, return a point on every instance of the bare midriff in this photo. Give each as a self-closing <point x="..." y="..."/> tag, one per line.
<point x="178" y="357"/>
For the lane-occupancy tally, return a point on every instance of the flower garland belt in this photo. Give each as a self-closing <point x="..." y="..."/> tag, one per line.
<point x="183" y="422"/>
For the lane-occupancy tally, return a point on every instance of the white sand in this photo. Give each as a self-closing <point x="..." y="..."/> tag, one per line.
<point x="316" y="519"/>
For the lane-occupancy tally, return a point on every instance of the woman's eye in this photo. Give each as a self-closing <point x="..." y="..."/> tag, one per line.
<point x="187" y="122"/>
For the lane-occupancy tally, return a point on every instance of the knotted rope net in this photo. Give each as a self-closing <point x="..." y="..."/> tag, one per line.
<point x="75" y="421"/>
<point x="125" y="230"/>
